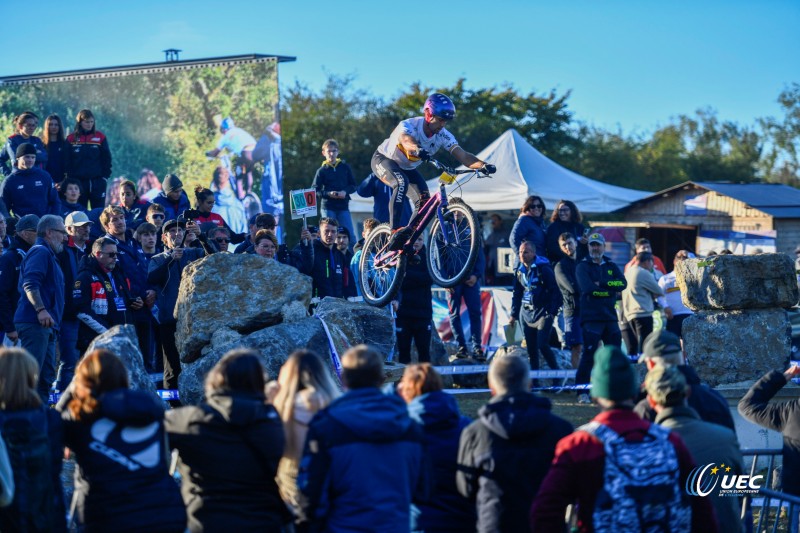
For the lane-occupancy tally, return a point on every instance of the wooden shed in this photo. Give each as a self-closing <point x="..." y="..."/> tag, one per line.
<point x="705" y="216"/>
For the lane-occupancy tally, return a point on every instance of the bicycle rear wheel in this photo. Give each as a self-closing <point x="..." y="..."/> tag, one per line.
<point x="450" y="259"/>
<point x="379" y="283"/>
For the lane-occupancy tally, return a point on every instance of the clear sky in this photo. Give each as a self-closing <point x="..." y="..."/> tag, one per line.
<point x="629" y="64"/>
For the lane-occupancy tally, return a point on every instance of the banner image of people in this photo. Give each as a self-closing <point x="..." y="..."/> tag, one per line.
<point x="213" y="123"/>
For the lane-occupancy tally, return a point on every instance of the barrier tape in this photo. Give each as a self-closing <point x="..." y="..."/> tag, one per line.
<point x="337" y="363"/>
<point x="585" y="386"/>
<point x="478" y="369"/>
<point x="165" y="394"/>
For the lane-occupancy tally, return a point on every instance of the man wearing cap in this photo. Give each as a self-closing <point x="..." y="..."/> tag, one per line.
<point x="172" y="197"/>
<point x="41" y="303"/>
<point x="165" y="271"/>
<point x="662" y="348"/>
<point x="600" y="281"/>
<point x="78" y="226"/>
<point x="10" y="265"/>
<point x="579" y="466"/>
<point x="708" y="443"/>
<point x="29" y="190"/>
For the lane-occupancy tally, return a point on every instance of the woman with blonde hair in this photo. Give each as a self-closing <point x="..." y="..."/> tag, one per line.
<point x="35" y="442"/>
<point x="122" y="482"/>
<point x="437" y="412"/>
<point x="229" y="448"/>
<point x="305" y="387"/>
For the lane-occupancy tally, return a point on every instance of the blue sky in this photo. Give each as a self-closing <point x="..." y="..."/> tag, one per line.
<point x="629" y="64"/>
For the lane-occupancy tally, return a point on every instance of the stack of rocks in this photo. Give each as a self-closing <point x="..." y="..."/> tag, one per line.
<point x="740" y="328"/>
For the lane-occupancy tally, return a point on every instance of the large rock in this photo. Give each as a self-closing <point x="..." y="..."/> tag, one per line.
<point x="733" y="346"/>
<point x="242" y="292"/>
<point x="122" y="342"/>
<point x="738" y="282"/>
<point x="357" y="323"/>
<point x="348" y="323"/>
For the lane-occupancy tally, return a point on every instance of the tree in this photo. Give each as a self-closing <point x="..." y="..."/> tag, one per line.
<point x="782" y="160"/>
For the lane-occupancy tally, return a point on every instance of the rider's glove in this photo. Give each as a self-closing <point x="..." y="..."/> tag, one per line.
<point x="489" y="169"/>
<point x="423" y="155"/>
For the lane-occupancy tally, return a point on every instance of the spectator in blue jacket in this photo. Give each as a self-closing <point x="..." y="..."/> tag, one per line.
<point x="372" y="187"/>
<point x="25" y="124"/>
<point x="364" y="456"/>
<point x="172" y="197"/>
<point x="442" y="423"/>
<point x="41" y="303"/>
<point x="29" y="190"/>
<point x="470" y="292"/>
<point x="536" y="299"/>
<point x="10" y="267"/>
<point x="530" y="226"/>
<point x="335" y="183"/>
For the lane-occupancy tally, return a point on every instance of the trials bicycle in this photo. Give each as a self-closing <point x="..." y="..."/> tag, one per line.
<point x="452" y="248"/>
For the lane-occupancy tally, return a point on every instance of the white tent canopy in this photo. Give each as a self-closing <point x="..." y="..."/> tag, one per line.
<point x="522" y="171"/>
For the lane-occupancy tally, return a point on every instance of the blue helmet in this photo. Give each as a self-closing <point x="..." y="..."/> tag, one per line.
<point x="226" y="124"/>
<point x="440" y="106"/>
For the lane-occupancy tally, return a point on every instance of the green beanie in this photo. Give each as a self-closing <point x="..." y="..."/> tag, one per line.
<point x="613" y="377"/>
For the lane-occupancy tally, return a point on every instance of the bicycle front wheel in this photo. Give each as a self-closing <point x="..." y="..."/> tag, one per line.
<point x="453" y="247"/>
<point x="379" y="280"/>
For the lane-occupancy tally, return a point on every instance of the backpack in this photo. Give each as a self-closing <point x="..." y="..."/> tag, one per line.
<point x="28" y="445"/>
<point x="641" y="484"/>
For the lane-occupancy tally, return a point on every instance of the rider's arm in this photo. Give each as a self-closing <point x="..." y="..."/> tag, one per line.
<point x="409" y="143"/>
<point x="213" y="153"/>
<point x="465" y="158"/>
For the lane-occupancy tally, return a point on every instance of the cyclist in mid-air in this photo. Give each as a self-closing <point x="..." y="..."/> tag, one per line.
<point x="413" y="141"/>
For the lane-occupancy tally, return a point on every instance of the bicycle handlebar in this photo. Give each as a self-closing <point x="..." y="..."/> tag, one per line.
<point x="444" y="168"/>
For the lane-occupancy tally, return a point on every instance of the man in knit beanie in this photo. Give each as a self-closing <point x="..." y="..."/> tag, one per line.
<point x="582" y="472"/>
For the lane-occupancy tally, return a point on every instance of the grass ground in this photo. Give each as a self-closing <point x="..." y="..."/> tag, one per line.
<point x="565" y="405"/>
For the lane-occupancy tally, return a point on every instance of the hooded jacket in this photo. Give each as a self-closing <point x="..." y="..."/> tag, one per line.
<point x="334" y="177"/>
<point x="229" y="448"/>
<point x="31" y="192"/>
<point x="503" y="457"/>
<point x="363" y="461"/>
<point x="536" y="293"/>
<point x="326" y="266"/>
<point x="442" y="424"/>
<point x="122" y="483"/>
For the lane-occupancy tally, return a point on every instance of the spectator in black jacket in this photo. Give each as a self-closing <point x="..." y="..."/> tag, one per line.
<point x="504" y="455"/>
<point x="323" y="261"/>
<point x="10" y="265"/>
<point x="782" y="416"/>
<point x="58" y="149"/>
<point x="335" y="183"/>
<point x="78" y="226"/>
<point x="535" y="301"/>
<point x="29" y="189"/>
<point x="571" y="295"/>
<point x="165" y="271"/>
<point x="348" y="279"/>
<point x="662" y="348"/>
<point x="600" y="281"/>
<point x="101" y="294"/>
<point x="229" y="448"/>
<point x="415" y="309"/>
<point x="90" y="159"/>
<point x="117" y="434"/>
<point x="566" y="218"/>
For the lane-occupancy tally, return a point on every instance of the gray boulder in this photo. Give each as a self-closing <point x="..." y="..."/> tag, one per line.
<point x="738" y="282"/>
<point x="122" y="342"/>
<point x="733" y="346"/>
<point x="242" y="292"/>
<point x="348" y="323"/>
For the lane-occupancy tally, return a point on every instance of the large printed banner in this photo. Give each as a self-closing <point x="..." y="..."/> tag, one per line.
<point x="210" y="122"/>
<point x="495" y="312"/>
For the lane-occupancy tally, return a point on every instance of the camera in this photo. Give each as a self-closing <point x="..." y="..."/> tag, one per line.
<point x="190" y="214"/>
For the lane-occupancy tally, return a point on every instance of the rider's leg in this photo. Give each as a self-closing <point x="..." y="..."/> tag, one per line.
<point x="392" y="175"/>
<point x="248" y="162"/>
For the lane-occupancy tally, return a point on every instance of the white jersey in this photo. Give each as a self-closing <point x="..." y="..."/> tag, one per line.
<point x="672" y="295"/>
<point x="392" y="148"/>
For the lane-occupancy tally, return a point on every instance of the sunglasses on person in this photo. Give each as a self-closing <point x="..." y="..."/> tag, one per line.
<point x="110" y="254"/>
<point x="537" y="206"/>
<point x="158" y="216"/>
<point x="221" y="240"/>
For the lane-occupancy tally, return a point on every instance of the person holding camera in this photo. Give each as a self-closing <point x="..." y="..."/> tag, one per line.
<point x="165" y="272"/>
<point x="101" y="293"/>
